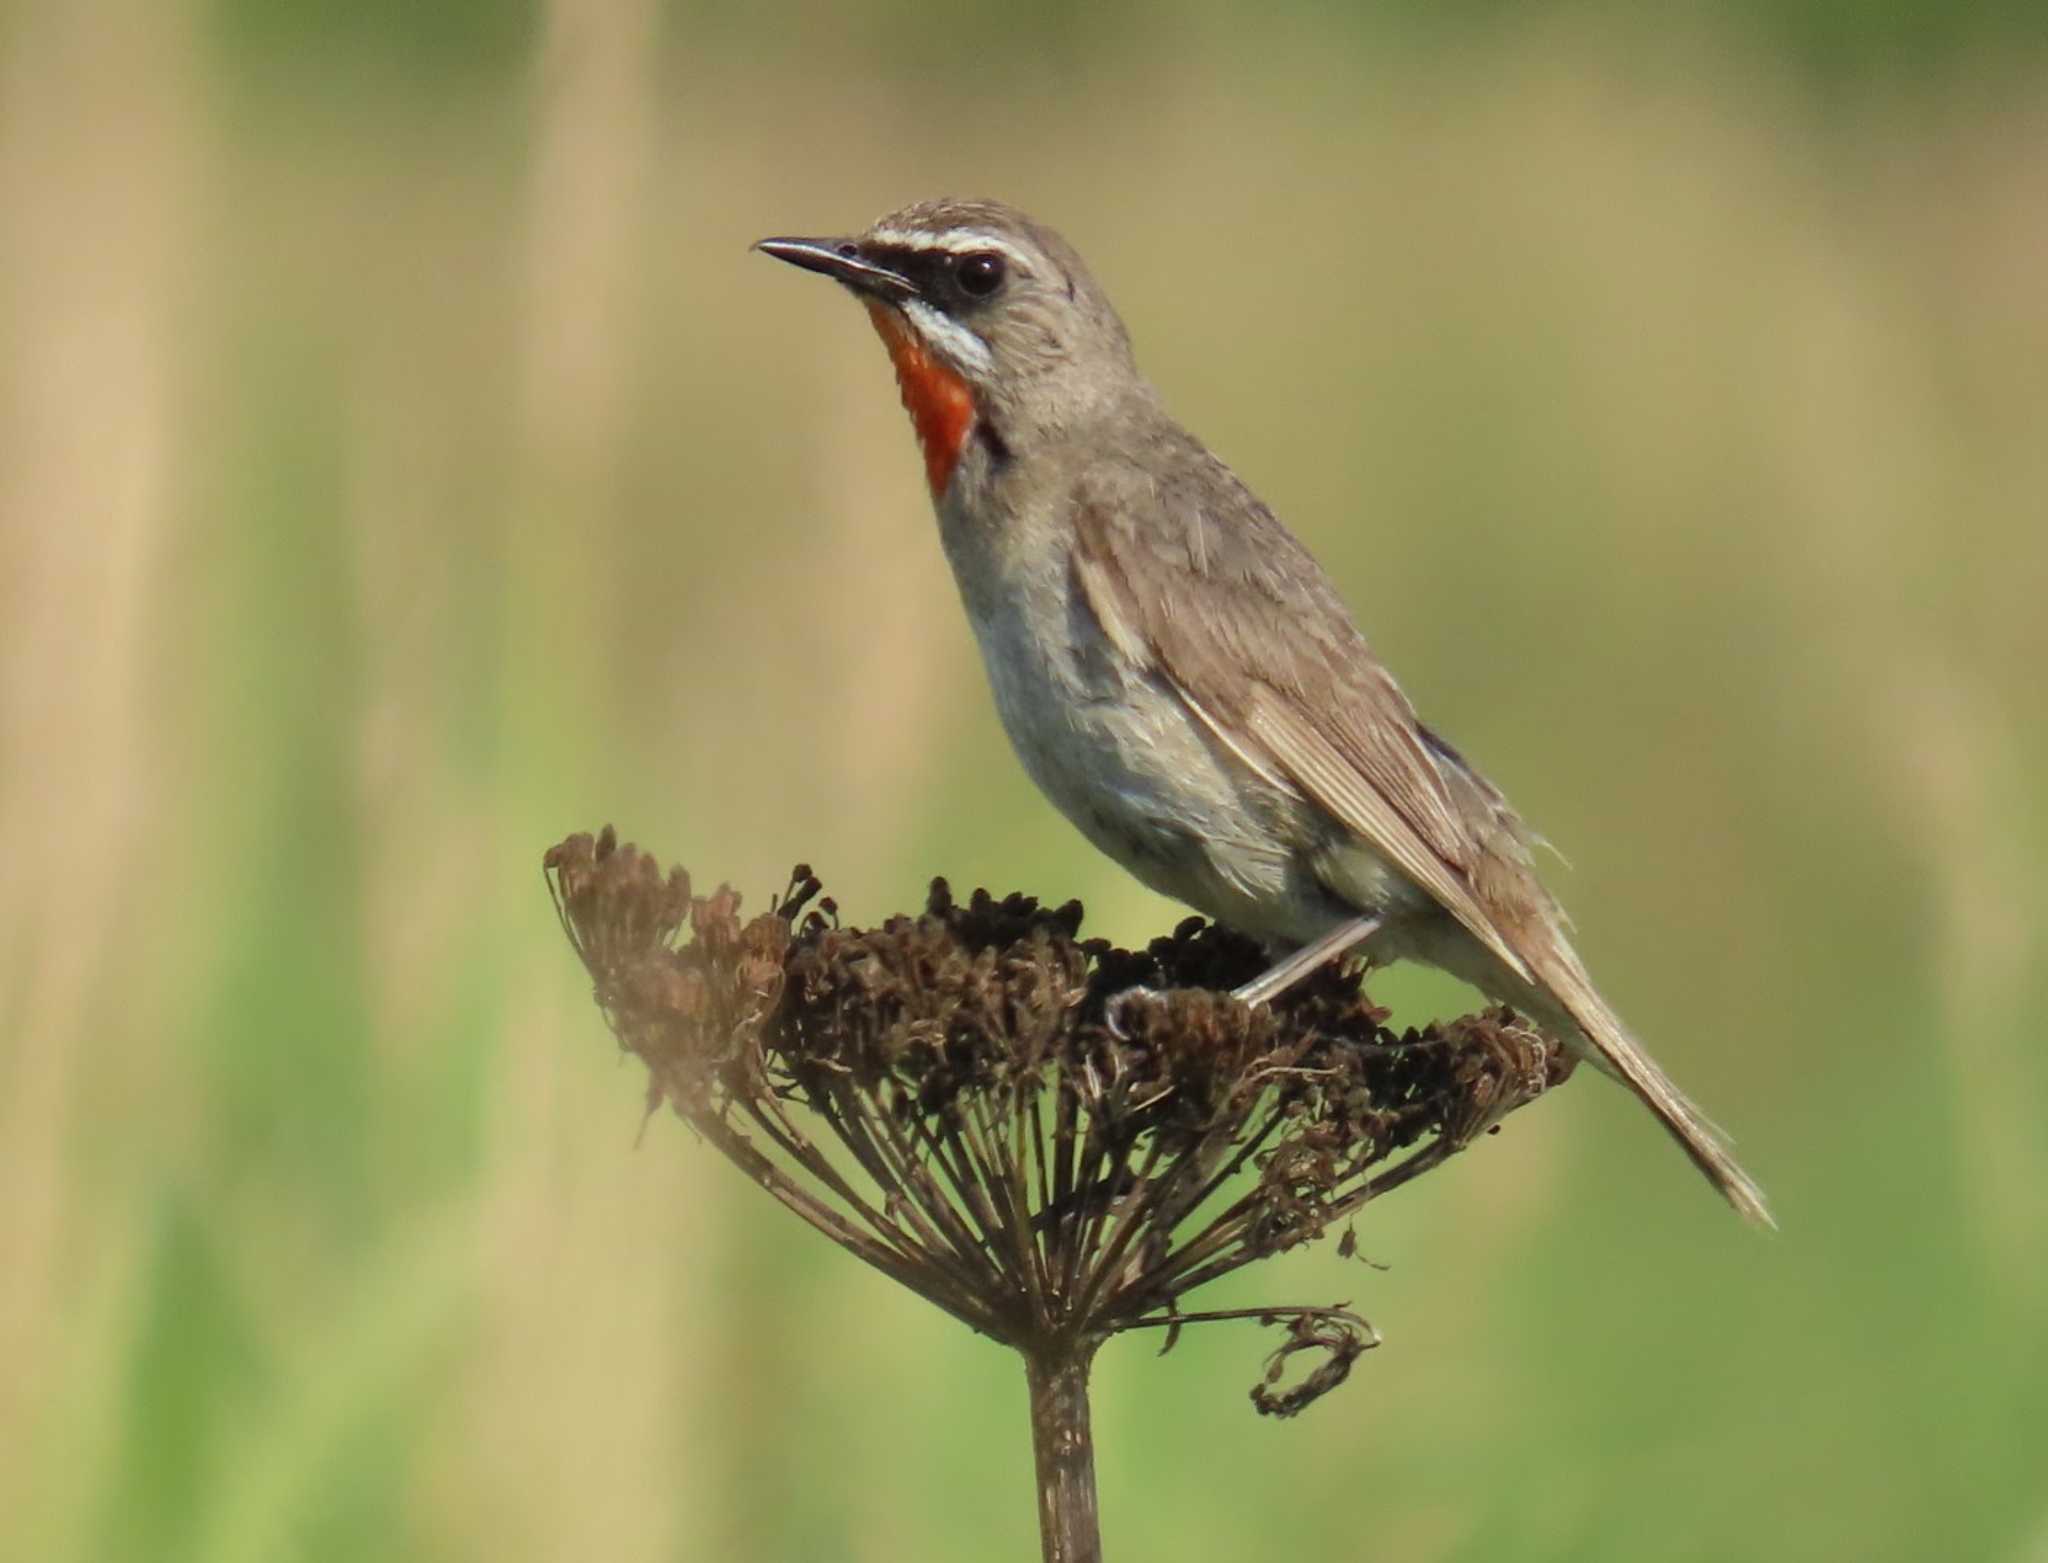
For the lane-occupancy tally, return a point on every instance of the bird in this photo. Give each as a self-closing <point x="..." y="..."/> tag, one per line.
<point x="1174" y="669"/>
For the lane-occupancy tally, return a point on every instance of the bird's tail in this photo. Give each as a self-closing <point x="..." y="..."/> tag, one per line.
<point x="1608" y="1045"/>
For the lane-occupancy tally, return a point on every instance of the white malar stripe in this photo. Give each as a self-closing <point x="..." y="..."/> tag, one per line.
<point x="948" y="336"/>
<point x="954" y="241"/>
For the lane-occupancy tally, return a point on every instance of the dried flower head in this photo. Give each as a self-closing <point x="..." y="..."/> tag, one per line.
<point x="944" y="1097"/>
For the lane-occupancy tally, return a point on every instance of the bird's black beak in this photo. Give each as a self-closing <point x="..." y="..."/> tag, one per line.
<point x="841" y="260"/>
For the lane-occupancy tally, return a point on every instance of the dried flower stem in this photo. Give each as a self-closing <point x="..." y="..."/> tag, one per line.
<point x="1048" y="1179"/>
<point x="1069" y="1526"/>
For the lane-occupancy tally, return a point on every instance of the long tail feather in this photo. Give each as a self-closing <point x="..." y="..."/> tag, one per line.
<point x="1609" y="1045"/>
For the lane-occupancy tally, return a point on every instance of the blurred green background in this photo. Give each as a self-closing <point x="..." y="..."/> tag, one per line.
<point x="403" y="464"/>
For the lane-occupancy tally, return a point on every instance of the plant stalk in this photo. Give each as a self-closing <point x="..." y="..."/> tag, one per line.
<point x="1068" y="1524"/>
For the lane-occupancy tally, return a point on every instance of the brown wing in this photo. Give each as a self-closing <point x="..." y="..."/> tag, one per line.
<point x="1241" y="621"/>
<point x="1237" y="617"/>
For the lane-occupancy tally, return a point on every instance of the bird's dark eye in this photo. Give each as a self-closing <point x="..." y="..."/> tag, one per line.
<point x="979" y="275"/>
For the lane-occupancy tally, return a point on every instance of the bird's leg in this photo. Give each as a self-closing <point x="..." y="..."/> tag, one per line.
<point x="1320" y="951"/>
<point x="1269" y="984"/>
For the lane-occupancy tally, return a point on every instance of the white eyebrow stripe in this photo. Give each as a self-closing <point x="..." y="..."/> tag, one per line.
<point x="949" y="336"/>
<point x="955" y="241"/>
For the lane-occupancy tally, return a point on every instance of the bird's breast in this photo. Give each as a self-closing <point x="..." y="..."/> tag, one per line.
<point x="1116" y="750"/>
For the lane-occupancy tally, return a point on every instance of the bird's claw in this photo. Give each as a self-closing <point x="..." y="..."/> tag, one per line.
<point x="1113" y="1010"/>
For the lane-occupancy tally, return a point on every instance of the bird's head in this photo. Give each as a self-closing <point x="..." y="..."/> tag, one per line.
<point x="997" y="330"/>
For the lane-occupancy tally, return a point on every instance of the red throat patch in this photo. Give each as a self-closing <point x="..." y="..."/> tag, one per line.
<point x="940" y="405"/>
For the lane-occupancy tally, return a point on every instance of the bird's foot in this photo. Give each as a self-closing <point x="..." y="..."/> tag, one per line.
<point x="1256" y="994"/>
<point x="1114" y="1009"/>
<point x="1115" y="1012"/>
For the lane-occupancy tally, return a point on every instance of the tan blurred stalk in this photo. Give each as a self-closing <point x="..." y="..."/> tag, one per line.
<point x="1975" y="812"/>
<point x="97" y="150"/>
<point x="576" y="1431"/>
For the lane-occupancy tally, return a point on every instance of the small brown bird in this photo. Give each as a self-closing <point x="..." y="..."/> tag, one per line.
<point x="1174" y="669"/>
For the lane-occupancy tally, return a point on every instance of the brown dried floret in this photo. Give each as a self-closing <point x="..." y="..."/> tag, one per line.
<point x="945" y="1096"/>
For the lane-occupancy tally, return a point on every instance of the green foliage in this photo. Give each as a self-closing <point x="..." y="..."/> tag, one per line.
<point x="1833" y="40"/>
<point x="431" y="40"/>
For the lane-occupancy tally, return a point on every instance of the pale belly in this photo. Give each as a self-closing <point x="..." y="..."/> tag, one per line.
<point x="1123" y="757"/>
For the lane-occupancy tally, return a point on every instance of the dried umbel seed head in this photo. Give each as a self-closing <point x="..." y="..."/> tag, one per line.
<point x="943" y="1095"/>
